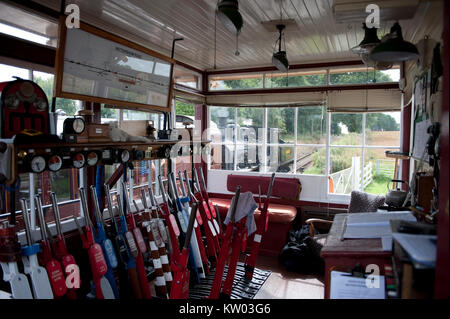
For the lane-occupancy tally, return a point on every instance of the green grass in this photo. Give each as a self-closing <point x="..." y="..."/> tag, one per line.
<point x="379" y="184"/>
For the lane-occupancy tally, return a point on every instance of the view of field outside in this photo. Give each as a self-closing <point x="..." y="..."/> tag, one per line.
<point x="306" y="152"/>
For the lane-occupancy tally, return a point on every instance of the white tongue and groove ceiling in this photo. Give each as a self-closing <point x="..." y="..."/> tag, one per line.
<point x="313" y="36"/>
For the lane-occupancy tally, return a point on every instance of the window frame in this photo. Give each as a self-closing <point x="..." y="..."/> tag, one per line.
<point x="332" y="197"/>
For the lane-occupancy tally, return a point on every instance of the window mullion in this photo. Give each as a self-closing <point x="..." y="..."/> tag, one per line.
<point x="295" y="140"/>
<point x="265" y="131"/>
<point x="235" y="138"/>
<point x="327" y="153"/>
<point x="363" y="150"/>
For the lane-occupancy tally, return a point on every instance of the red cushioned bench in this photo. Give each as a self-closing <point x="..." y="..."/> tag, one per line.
<point x="281" y="216"/>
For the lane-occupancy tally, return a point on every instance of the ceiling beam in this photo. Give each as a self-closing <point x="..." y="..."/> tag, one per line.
<point x="291" y="67"/>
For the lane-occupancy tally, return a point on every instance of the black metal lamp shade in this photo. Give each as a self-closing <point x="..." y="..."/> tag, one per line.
<point x="369" y="42"/>
<point x="394" y="49"/>
<point x="229" y="15"/>
<point x="280" y="61"/>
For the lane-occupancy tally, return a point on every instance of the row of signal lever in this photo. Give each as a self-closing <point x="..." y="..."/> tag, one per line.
<point x="54" y="273"/>
<point x="182" y="236"/>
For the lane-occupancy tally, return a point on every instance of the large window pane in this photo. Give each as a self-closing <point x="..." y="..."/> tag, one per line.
<point x="249" y="157"/>
<point x="236" y="82"/>
<point x="280" y="159"/>
<point x="8" y="72"/>
<point x="296" y="79"/>
<point x="345" y="170"/>
<point x="311" y="160"/>
<point x="250" y="124"/>
<point x="281" y="123"/>
<point x="346" y="129"/>
<point x="312" y="125"/>
<point x="187" y="77"/>
<point x="363" y="75"/>
<point x="222" y="156"/>
<point x="185" y="113"/>
<point x="222" y="124"/>
<point x="379" y="169"/>
<point x="383" y="129"/>
<point x="64" y="107"/>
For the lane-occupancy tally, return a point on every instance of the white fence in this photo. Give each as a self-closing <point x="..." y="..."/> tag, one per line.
<point x="350" y="178"/>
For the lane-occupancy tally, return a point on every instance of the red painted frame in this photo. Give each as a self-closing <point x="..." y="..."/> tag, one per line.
<point x="442" y="266"/>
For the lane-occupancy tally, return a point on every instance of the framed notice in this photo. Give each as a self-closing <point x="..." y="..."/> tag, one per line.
<point x="97" y="66"/>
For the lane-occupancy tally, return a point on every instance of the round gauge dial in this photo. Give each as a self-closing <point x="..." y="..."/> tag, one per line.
<point x="37" y="164"/>
<point x="12" y="101"/>
<point x="78" y="160"/>
<point x="27" y="89"/>
<point x="74" y="125"/>
<point x="40" y="104"/>
<point x="92" y="158"/>
<point x="55" y="163"/>
<point x="125" y="156"/>
<point x="78" y="125"/>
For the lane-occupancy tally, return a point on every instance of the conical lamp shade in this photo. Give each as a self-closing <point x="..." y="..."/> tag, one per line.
<point x="280" y="61"/>
<point x="369" y="42"/>
<point x="229" y="15"/>
<point x="394" y="49"/>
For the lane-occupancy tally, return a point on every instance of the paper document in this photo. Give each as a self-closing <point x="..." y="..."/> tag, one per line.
<point x="373" y="225"/>
<point x="386" y="243"/>
<point x="420" y="248"/>
<point x="378" y="218"/>
<point x="344" y="286"/>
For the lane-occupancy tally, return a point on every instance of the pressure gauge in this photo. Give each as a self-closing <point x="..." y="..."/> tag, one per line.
<point x="12" y="101"/>
<point x="37" y="164"/>
<point x="75" y="125"/>
<point x="54" y="163"/>
<point x="40" y="104"/>
<point x="78" y="160"/>
<point x="92" y="158"/>
<point x="124" y="156"/>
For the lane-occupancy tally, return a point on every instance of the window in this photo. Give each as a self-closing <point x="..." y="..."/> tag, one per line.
<point x="296" y="79"/>
<point x="363" y="75"/>
<point x="357" y="151"/>
<point x="286" y="140"/>
<point x="303" y="78"/>
<point x="187" y="77"/>
<point x="185" y="114"/>
<point x="236" y="82"/>
<point x="294" y="140"/>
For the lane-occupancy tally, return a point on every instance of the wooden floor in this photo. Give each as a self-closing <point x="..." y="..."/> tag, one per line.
<point x="283" y="284"/>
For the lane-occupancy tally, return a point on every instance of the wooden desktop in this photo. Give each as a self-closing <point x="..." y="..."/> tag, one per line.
<point x="343" y="254"/>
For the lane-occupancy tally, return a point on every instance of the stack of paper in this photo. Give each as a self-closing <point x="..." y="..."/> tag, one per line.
<point x="374" y="225"/>
<point x="420" y="248"/>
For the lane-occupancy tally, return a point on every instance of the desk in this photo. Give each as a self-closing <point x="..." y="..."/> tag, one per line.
<point x="344" y="254"/>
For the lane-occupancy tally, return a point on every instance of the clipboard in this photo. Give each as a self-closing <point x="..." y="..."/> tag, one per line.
<point x="354" y="283"/>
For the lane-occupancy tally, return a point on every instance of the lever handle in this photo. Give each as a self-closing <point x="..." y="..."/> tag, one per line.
<point x="24" y="205"/>
<point x="56" y="213"/>
<point x="183" y="190"/>
<point x="163" y="191"/>
<point x="37" y="199"/>
<point x="202" y="178"/>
